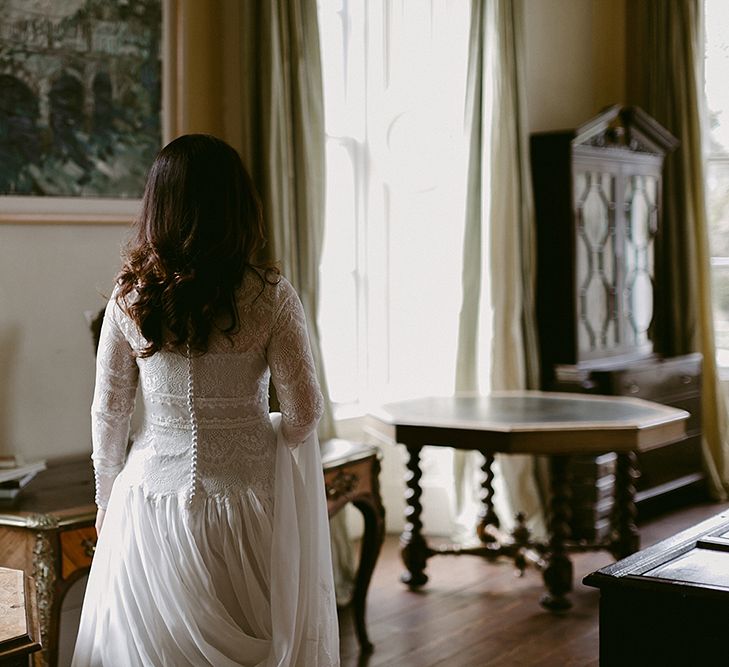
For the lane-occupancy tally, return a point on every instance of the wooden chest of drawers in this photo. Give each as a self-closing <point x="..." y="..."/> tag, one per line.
<point x="666" y="473"/>
<point x="676" y="382"/>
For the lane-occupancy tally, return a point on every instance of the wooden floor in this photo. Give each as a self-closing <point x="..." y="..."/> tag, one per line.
<point x="474" y="614"/>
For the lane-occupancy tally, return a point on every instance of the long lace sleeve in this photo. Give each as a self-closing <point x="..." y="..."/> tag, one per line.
<point x="111" y="410"/>
<point x="292" y="371"/>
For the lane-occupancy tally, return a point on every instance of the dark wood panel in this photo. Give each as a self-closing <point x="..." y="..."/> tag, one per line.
<point x="692" y="405"/>
<point x="667" y="604"/>
<point x="555" y="299"/>
<point x="671" y="462"/>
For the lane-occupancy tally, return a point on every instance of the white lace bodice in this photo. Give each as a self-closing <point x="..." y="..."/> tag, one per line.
<point x="205" y="428"/>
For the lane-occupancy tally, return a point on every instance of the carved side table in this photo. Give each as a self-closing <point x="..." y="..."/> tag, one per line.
<point x="49" y="534"/>
<point x="351" y="475"/>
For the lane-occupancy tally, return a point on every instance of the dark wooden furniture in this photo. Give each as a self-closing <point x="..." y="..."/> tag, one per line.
<point x="351" y="475"/>
<point x="552" y="424"/>
<point x="19" y="629"/>
<point x="668" y="605"/>
<point x="597" y="192"/>
<point x="675" y="470"/>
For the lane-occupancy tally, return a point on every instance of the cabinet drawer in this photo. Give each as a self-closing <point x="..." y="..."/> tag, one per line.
<point x="652" y="379"/>
<point x="77" y="550"/>
<point x="583" y="466"/>
<point x="585" y="515"/>
<point x="669" y="463"/>
<point x="657" y="382"/>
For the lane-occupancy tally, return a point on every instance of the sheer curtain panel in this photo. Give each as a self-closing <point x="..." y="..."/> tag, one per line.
<point x="498" y="260"/>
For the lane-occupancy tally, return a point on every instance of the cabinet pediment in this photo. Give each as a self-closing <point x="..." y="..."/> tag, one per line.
<point x="626" y="128"/>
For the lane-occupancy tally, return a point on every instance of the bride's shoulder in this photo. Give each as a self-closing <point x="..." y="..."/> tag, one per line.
<point x="265" y="289"/>
<point x="271" y="281"/>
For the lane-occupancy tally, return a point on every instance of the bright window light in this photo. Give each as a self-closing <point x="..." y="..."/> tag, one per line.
<point x="394" y="89"/>
<point x="716" y="74"/>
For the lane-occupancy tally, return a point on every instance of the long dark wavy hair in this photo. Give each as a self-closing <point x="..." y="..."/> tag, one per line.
<point x="200" y="230"/>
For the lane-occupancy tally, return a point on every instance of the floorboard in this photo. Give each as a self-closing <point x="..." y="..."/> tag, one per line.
<point x="473" y="613"/>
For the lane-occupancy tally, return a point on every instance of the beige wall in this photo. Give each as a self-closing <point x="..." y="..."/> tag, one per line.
<point x="50" y="275"/>
<point x="575" y="63"/>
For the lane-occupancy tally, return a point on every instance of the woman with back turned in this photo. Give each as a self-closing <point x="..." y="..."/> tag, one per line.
<point x="213" y="538"/>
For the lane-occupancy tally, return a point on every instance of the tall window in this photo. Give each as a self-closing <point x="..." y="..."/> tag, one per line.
<point x="716" y="73"/>
<point x="394" y="91"/>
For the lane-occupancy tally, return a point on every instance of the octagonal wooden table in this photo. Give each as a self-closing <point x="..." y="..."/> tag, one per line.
<point x="528" y="422"/>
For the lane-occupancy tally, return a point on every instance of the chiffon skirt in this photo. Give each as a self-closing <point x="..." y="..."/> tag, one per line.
<point x="224" y="582"/>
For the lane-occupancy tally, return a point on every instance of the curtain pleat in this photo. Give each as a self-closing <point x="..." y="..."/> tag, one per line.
<point x="499" y="226"/>
<point x="467" y="377"/>
<point x="283" y="144"/>
<point x="664" y="60"/>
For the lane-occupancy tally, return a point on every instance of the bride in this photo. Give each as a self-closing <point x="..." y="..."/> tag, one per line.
<point x="213" y="541"/>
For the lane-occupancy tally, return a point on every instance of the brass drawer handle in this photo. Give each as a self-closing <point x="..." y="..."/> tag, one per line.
<point x="633" y="388"/>
<point x="343" y="484"/>
<point x="686" y="379"/>
<point x="89" y="547"/>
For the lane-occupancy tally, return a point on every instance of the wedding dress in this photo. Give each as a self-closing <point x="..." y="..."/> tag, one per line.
<point x="215" y="545"/>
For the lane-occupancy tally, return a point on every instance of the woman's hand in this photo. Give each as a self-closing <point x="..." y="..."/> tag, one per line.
<point x="100" y="514"/>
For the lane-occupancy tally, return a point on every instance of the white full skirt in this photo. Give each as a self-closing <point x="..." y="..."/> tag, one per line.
<point x="223" y="582"/>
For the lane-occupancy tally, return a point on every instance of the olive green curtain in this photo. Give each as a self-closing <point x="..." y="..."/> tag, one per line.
<point x="283" y="144"/>
<point x="664" y="61"/>
<point x="499" y="249"/>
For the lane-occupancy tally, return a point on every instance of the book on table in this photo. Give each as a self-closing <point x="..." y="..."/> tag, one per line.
<point x="14" y="478"/>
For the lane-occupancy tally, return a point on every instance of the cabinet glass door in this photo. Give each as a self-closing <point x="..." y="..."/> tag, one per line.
<point x="641" y="215"/>
<point x="597" y="275"/>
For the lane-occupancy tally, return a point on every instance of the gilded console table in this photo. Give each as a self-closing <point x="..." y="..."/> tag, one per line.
<point x="49" y="534"/>
<point x="528" y="422"/>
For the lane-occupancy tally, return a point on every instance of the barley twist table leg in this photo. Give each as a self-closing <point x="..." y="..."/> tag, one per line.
<point x="627" y="539"/>
<point x="558" y="571"/>
<point x="414" y="550"/>
<point x="487" y="516"/>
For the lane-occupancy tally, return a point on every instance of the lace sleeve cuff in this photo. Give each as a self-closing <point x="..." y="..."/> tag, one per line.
<point x="104" y="481"/>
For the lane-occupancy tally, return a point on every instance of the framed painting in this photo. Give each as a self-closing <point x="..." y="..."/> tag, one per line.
<point x="82" y="94"/>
